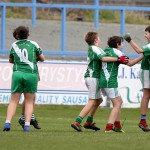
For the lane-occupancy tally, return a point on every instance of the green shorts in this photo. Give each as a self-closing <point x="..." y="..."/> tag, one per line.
<point x="24" y="82"/>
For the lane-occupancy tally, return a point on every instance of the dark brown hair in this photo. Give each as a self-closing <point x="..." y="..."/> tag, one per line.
<point x="90" y="37"/>
<point x="21" y="33"/>
<point x="114" y="40"/>
<point x="147" y="29"/>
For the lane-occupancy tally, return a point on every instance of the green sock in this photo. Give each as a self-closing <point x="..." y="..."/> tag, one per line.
<point x="33" y="116"/>
<point x="89" y="119"/>
<point x="23" y="117"/>
<point x="79" y="119"/>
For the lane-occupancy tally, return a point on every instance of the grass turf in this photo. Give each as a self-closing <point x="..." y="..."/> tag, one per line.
<point x="57" y="134"/>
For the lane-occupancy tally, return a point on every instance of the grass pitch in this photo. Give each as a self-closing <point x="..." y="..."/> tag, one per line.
<point x="57" y="134"/>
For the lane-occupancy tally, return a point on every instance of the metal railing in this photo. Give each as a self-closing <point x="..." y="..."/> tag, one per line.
<point x="63" y="7"/>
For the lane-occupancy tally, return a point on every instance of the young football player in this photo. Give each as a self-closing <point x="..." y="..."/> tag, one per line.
<point x="92" y="75"/>
<point x="109" y="83"/>
<point x="145" y="76"/>
<point x="24" y="54"/>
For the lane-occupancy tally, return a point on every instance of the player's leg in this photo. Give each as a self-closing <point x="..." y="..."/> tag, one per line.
<point x="33" y="122"/>
<point x="30" y="88"/>
<point x="16" y="90"/>
<point x="11" y="110"/>
<point x="89" y="124"/>
<point x="29" y="105"/>
<point x="86" y="109"/>
<point x="94" y="95"/>
<point x="145" y="80"/>
<point x="114" y="117"/>
<point x="22" y="118"/>
<point x="144" y="107"/>
<point x="117" y="124"/>
<point x="114" y="113"/>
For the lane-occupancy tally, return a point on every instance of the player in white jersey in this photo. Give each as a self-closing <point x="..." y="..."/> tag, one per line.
<point x="24" y="54"/>
<point x="145" y="76"/>
<point x="109" y="83"/>
<point x="95" y="56"/>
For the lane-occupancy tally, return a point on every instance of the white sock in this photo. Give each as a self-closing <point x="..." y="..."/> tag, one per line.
<point x="27" y="123"/>
<point x="7" y="121"/>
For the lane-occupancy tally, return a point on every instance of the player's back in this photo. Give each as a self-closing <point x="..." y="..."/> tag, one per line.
<point x="24" y="53"/>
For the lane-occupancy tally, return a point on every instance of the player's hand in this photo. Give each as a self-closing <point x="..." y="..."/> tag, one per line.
<point x="127" y="37"/>
<point x="123" y="59"/>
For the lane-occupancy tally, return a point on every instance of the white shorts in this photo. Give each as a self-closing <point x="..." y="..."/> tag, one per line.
<point x="110" y="92"/>
<point x="145" y="78"/>
<point x="94" y="90"/>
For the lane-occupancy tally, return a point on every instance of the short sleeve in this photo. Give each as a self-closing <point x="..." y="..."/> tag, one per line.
<point x="146" y="50"/>
<point x="11" y="53"/>
<point x="38" y="51"/>
<point x="118" y="52"/>
<point x="99" y="52"/>
<point x="37" y="48"/>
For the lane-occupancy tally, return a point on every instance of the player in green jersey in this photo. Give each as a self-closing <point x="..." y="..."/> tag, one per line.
<point x="95" y="56"/>
<point x="109" y="83"/>
<point x="145" y="76"/>
<point x="24" y="55"/>
<point x="21" y="120"/>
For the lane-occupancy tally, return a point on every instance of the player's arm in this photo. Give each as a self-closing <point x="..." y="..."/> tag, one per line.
<point x="136" y="47"/>
<point x="128" y="38"/>
<point x="109" y="59"/>
<point x="121" y="59"/>
<point x="106" y="58"/>
<point x="11" y="57"/>
<point x="40" y="58"/>
<point x="11" y="60"/>
<point x="135" y="61"/>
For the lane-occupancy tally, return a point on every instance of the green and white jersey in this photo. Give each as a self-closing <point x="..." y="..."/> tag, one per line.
<point x="24" y="53"/>
<point x="95" y="54"/>
<point x="145" y="64"/>
<point x="109" y="73"/>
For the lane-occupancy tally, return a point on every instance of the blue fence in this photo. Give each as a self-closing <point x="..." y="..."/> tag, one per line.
<point x="34" y="5"/>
